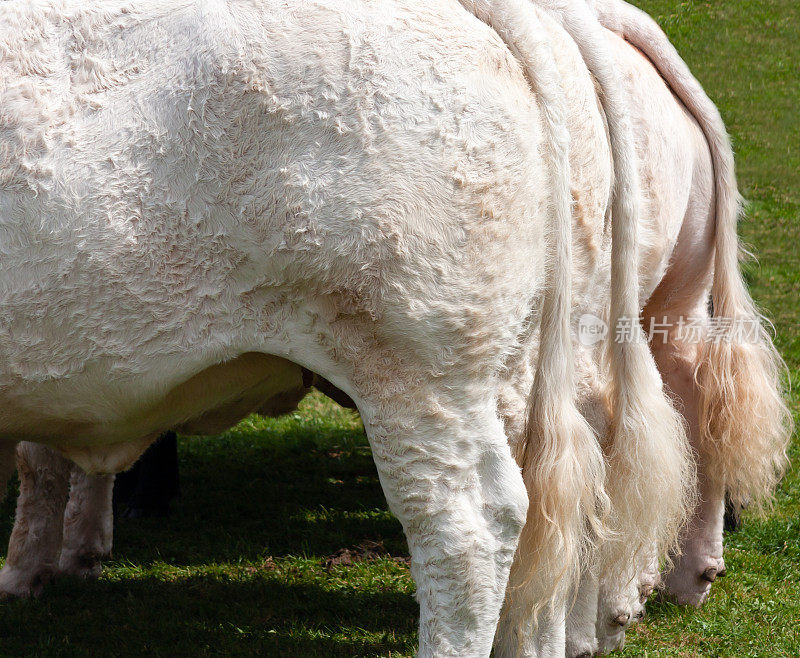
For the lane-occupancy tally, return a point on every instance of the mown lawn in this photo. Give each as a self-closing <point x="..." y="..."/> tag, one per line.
<point x="251" y="562"/>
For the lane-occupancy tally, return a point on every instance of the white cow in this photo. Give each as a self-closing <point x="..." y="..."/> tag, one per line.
<point x="660" y="221"/>
<point x="380" y="194"/>
<point x="729" y="390"/>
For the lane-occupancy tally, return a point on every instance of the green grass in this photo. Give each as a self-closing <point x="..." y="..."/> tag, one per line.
<point x="241" y="567"/>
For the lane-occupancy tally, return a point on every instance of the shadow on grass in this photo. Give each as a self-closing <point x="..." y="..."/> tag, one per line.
<point x="202" y="616"/>
<point x="196" y="583"/>
<point x="244" y="498"/>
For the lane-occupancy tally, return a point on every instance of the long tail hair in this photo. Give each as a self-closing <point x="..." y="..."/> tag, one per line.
<point x="651" y="472"/>
<point x="561" y="460"/>
<point x="744" y="422"/>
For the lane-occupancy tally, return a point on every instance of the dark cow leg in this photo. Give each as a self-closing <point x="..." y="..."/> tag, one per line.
<point x="88" y="525"/>
<point x="148" y="488"/>
<point x="733" y="516"/>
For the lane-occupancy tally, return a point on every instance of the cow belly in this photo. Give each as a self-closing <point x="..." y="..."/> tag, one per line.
<point x="208" y="401"/>
<point x="277" y="393"/>
<point x="107" y="459"/>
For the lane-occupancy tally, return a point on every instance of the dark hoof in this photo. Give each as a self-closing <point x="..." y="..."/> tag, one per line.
<point x="621" y="620"/>
<point x="709" y="575"/>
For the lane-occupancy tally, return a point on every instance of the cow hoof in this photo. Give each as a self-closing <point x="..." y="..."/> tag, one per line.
<point x="690" y="583"/>
<point x="87" y="566"/>
<point x="611" y="642"/>
<point x="622" y="619"/>
<point x="582" y="649"/>
<point x="709" y="575"/>
<point x="16" y="584"/>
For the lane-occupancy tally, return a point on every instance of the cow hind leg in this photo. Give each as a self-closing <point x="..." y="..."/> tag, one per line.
<point x="521" y="634"/>
<point x="88" y="525"/>
<point x="581" y="636"/>
<point x="617" y="607"/>
<point x="448" y="475"/>
<point x="623" y="590"/>
<point x="35" y="543"/>
<point x="699" y="561"/>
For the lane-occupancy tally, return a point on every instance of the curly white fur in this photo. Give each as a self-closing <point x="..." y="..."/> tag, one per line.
<point x="186" y="184"/>
<point x="650" y="472"/>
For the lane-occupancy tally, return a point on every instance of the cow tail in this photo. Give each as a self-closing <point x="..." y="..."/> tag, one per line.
<point x="562" y="463"/>
<point x="650" y="469"/>
<point x="744" y="422"/>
